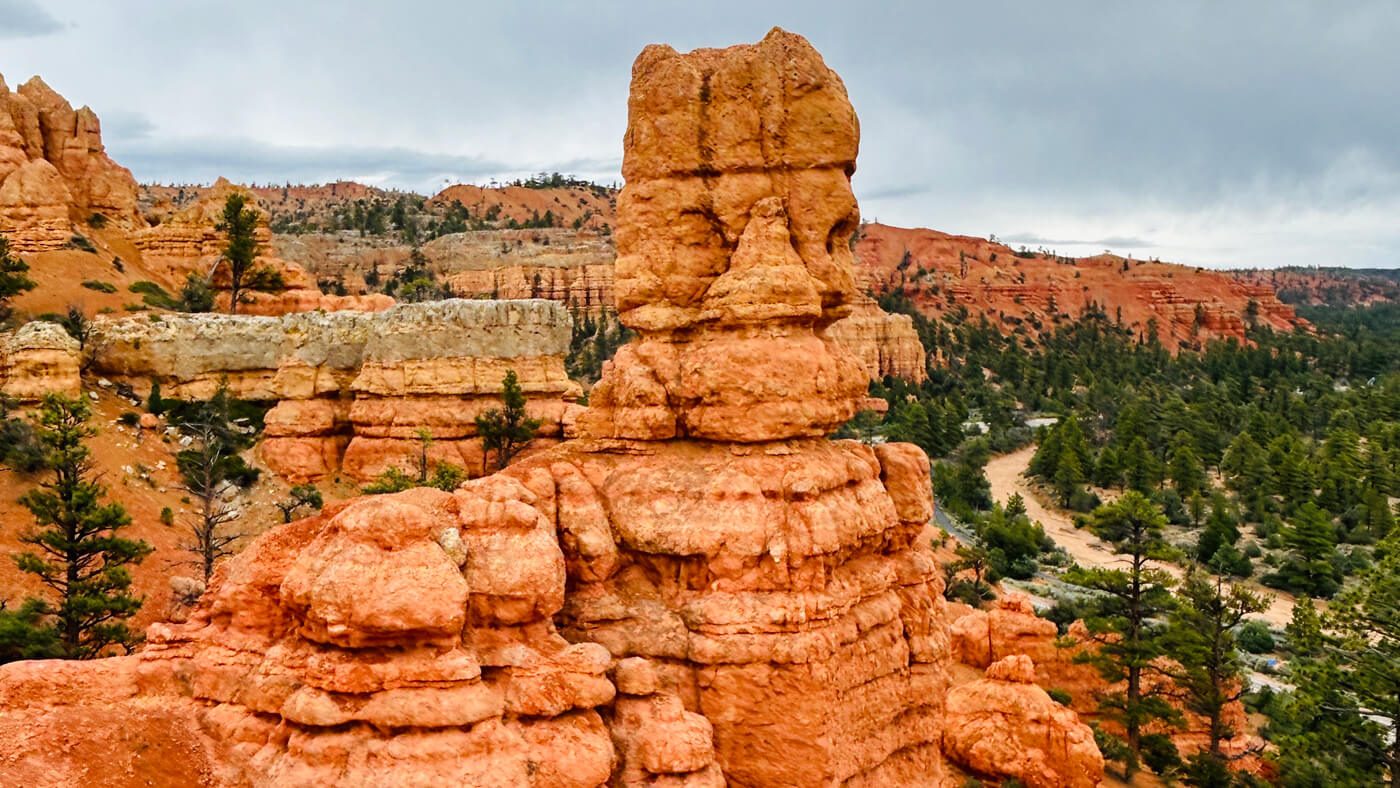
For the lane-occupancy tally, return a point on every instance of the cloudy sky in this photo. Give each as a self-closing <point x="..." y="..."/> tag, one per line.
<point x="1250" y="132"/>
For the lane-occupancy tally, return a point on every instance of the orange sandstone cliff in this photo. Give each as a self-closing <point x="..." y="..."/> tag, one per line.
<point x="1032" y="291"/>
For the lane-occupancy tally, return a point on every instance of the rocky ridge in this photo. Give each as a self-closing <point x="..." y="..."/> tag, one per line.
<point x="1030" y="291"/>
<point x="354" y="390"/>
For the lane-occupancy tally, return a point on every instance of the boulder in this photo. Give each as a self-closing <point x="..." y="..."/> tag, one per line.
<point x="1003" y="726"/>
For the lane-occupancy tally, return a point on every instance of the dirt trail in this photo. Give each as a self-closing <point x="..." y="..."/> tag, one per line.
<point x="1007" y="476"/>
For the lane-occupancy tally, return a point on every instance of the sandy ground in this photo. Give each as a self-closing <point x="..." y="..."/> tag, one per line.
<point x="1007" y="476"/>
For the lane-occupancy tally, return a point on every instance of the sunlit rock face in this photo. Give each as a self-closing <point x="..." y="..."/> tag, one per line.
<point x="773" y="580"/>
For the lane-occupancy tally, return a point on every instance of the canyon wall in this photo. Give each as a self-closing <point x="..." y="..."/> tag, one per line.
<point x="355" y="390"/>
<point x="1031" y="291"/>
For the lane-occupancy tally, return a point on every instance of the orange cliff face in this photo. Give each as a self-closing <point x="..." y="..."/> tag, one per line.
<point x="941" y="272"/>
<point x="76" y="216"/>
<point x="701" y="590"/>
<point x="55" y="173"/>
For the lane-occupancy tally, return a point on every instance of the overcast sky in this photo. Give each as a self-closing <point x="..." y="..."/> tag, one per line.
<point x="1253" y="133"/>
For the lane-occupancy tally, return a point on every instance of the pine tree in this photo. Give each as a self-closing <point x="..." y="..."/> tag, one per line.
<point x="1184" y="467"/>
<point x="1069" y="475"/>
<point x="239" y="224"/>
<point x="1124" y="618"/>
<point x="504" y="430"/>
<point x="204" y="475"/>
<point x="1308" y="568"/>
<point x="1220" y="531"/>
<point x="79" y="554"/>
<point x="1201" y="639"/>
<point x="1304" y="628"/>
<point x="1108" y="471"/>
<point x="301" y="496"/>
<point x="12" y="278"/>
<point x="1347" y="697"/>
<point x="1141" y="468"/>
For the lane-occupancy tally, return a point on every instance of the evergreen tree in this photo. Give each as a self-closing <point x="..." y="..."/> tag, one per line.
<point x="301" y="496"/>
<point x="26" y="634"/>
<point x="1201" y="639"/>
<point x="1221" y="530"/>
<point x="1125" y="615"/>
<point x="1187" y="473"/>
<point x="239" y="225"/>
<point x="1069" y="475"/>
<point x="12" y="279"/>
<point x="1308" y="568"/>
<point x="79" y="554"/>
<point x="1304" y="628"/>
<point x="1108" y="471"/>
<point x="1341" y="725"/>
<point x="1141" y="467"/>
<point x="204" y="475"/>
<point x="504" y="430"/>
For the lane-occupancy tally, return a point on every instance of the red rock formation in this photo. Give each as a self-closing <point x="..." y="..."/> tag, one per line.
<point x="1316" y="286"/>
<point x="887" y="345"/>
<point x="775" y="578"/>
<point x="765" y="597"/>
<point x="1004" y="726"/>
<point x="54" y="170"/>
<point x="36" y="359"/>
<point x="583" y="288"/>
<point x="349" y="649"/>
<point x="1012" y="628"/>
<point x="187" y="240"/>
<point x="1027" y="290"/>
<point x="356" y="391"/>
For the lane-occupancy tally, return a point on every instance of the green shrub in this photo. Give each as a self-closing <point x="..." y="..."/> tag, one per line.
<point x="167" y="516"/>
<point x="392" y="480"/>
<point x="129" y="419"/>
<point x="447" y="476"/>
<point x="81" y="243"/>
<point x="1255" y="637"/>
<point x="1060" y="696"/>
<point x="100" y="286"/>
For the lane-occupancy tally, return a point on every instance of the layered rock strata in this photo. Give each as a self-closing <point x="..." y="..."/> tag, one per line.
<point x="1030" y="292"/>
<point x="887" y="345"/>
<point x="36" y="359"/>
<point x="188" y="240"/>
<point x="356" y="391"/>
<point x="55" y="172"/>
<point x="775" y="580"/>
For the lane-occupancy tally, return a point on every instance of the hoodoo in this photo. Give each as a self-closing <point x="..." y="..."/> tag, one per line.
<point x="701" y="589"/>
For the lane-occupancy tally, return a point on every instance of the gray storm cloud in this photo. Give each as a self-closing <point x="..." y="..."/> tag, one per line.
<point x="1248" y="133"/>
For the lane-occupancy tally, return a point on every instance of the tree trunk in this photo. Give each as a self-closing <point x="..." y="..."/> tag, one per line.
<point x="1130" y="766"/>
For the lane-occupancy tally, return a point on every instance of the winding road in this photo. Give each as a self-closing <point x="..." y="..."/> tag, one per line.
<point x="1007" y="474"/>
